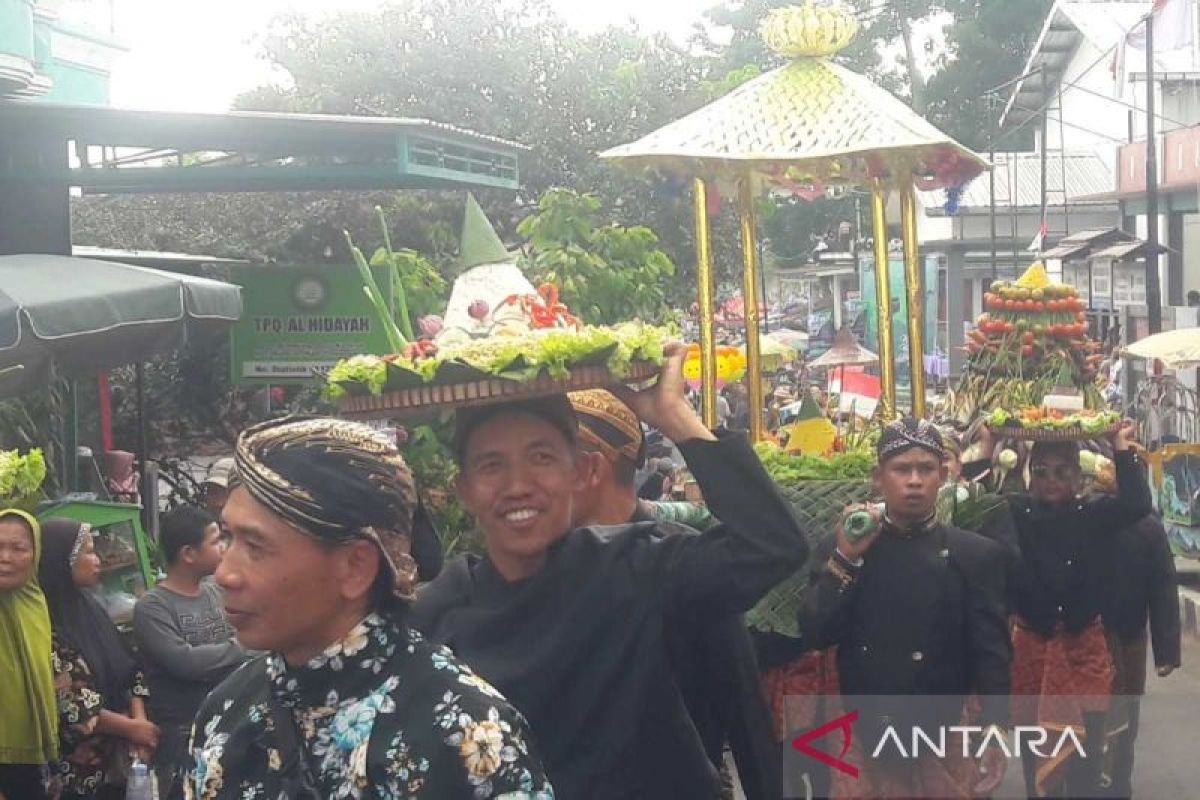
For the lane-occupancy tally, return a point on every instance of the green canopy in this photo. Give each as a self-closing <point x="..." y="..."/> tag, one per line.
<point x="86" y="315"/>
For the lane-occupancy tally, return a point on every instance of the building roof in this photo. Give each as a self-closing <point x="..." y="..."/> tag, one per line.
<point x="1068" y="24"/>
<point x="128" y="150"/>
<point x="150" y="258"/>
<point x="1081" y="244"/>
<point x="1018" y="179"/>
<point x="1131" y="251"/>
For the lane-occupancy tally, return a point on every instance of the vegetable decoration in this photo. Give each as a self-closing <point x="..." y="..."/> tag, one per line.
<point x="543" y="308"/>
<point x="21" y="478"/>
<point x="519" y="357"/>
<point x="1034" y="418"/>
<point x="788" y="469"/>
<point x="1032" y="338"/>
<point x="812" y="432"/>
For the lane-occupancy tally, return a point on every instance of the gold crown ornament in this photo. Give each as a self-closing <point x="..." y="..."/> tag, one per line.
<point x="814" y="30"/>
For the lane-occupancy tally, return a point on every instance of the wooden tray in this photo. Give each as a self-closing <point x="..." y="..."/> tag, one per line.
<point x="433" y="397"/>
<point x="1060" y="435"/>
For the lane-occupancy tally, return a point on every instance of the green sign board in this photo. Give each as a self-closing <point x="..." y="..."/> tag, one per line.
<point x="299" y="321"/>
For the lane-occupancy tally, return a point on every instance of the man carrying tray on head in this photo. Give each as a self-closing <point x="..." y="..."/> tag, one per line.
<point x="571" y="624"/>
<point x="712" y="658"/>
<point x="1062" y="673"/>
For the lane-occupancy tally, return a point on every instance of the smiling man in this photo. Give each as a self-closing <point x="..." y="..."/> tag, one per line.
<point x="571" y="624"/>
<point x="349" y="702"/>
<point x="915" y="608"/>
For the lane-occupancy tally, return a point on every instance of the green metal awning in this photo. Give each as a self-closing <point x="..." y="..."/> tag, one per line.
<point x="128" y="151"/>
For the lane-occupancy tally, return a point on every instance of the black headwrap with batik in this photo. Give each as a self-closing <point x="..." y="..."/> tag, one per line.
<point x="335" y="481"/>
<point x="608" y="425"/>
<point x="907" y="433"/>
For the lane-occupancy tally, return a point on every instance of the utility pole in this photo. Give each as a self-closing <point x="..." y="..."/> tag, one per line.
<point x="1153" y="288"/>
<point x="992" y="201"/>
<point x="1045" y="134"/>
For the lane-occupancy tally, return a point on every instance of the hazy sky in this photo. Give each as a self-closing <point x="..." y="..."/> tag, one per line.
<point x="201" y="58"/>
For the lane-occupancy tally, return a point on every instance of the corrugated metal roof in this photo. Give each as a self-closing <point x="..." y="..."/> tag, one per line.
<point x="1081" y="243"/>
<point x="1086" y="174"/>
<point x="1130" y="251"/>
<point x="1104" y="25"/>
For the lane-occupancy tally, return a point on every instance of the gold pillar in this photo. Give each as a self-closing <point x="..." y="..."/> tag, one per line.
<point x="915" y="290"/>
<point x="883" y="300"/>
<point x="707" y="302"/>
<point x="750" y="285"/>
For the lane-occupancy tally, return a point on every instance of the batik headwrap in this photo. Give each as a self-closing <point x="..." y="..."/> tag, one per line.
<point x="907" y="433"/>
<point x="335" y="481"/>
<point x="951" y="442"/>
<point x="608" y="425"/>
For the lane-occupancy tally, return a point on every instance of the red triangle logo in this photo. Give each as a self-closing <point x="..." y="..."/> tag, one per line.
<point x="845" y="724"/>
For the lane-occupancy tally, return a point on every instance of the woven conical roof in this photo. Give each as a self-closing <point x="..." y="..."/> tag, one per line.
<point x="845" y="352"/>
<point x="809" y="121"/>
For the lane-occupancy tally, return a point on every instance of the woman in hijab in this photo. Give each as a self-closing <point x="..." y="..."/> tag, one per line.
<point x="28" y="720"/>
<point x="99" y="685"/>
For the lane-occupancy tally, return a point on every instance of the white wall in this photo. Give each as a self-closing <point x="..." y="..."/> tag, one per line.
<point x="1180" y="107"/>
<point x="1191" y="253"/>
<point x="1106" y="122"/>
<point x="1142" y="231"/>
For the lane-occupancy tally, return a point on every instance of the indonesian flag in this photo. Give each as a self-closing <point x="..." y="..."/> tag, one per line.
<point x="1174" y="26"/>
<point x="858" y="392"/>
<point x="1039" y="241"/>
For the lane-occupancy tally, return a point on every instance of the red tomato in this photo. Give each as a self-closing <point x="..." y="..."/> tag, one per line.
<point x="1027" y="337"/>
<point x="1027" y="350"/>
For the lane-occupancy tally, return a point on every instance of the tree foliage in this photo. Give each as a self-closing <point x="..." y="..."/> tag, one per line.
<point x="607" y="273"/>
<point x="988" y="43"/>
<point x="514" y="68"/>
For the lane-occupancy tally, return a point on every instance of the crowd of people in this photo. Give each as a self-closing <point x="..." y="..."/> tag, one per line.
<point x="308" y="641"/>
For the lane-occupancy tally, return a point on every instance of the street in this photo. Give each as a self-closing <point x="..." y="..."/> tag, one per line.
<point x="1168" y="764"/>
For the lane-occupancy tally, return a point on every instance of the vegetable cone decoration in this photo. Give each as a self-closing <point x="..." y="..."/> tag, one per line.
<point x="812" y="433"/>
<point x="1030" y="342"/>
<point x="21" y="478"/>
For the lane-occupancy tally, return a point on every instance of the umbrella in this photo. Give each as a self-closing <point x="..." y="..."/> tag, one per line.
<point x="1178" y="349"/>
<point x="797" y="340"/>
<point x="845" y="352"/>
<point x="774" y="353"/>
<point x="86" y="316"/>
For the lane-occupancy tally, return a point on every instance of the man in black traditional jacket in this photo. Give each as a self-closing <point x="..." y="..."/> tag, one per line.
<point x="1059" y="590"/>
<point x="1144" y="589"/>
<point x="915" y="608"/>
<point x="713" y="659"/>
<point x="571" y="624"/>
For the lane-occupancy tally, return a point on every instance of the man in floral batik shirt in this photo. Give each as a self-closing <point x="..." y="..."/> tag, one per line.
<point x="348" y="702"/>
